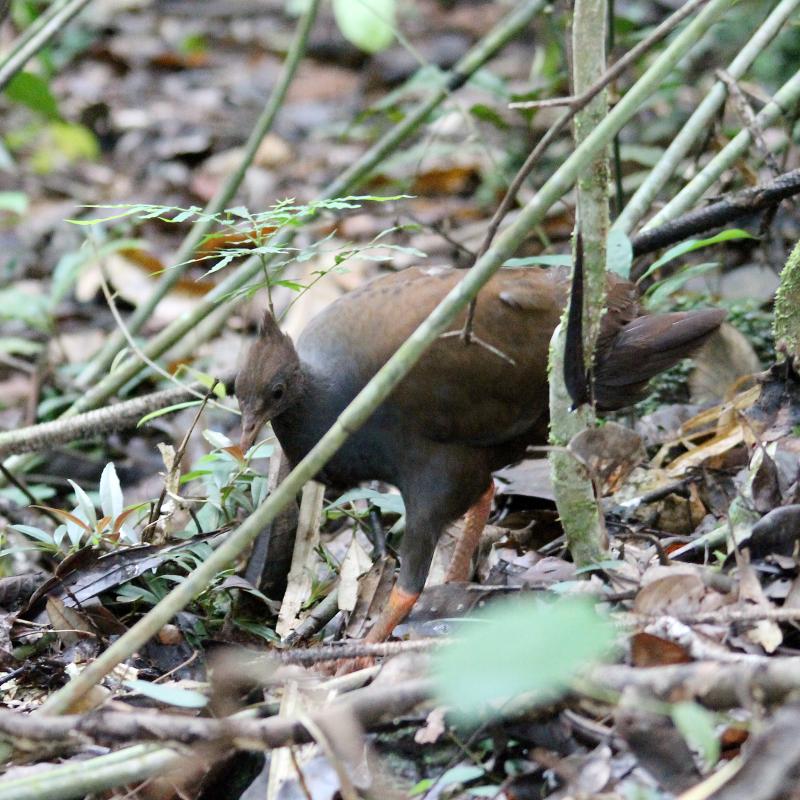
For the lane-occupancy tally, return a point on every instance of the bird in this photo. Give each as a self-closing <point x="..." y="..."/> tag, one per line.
<point x="464" y="410"/>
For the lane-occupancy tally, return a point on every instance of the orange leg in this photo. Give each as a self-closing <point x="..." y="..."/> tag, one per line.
<point x="460" y="568"/>
<point x="394" y="612"/>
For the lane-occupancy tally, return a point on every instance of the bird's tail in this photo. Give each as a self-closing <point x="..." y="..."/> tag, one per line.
<point x="643" y="348"/>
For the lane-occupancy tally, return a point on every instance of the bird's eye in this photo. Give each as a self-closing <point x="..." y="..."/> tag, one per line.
<point x="277" y="391"/>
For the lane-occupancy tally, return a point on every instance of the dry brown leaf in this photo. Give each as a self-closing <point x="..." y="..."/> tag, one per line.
<point x="653" y="651"/>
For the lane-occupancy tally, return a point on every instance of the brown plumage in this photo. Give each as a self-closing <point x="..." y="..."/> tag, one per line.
<point x="463" y="411"/>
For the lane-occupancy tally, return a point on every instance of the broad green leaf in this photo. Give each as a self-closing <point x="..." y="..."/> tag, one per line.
<point x="368" y="24"/>
<point x="388" y="503"/>
<point x="519" y="646"/>
<point x="217" y="439"/>
<point x="696" y="725"/>
<point x="461" y="774"/>
<point x="21" y="306"/>
<point x="205" y="379"/>
<point x="32" y="91"/>
<point x="695" y="244"/>
<point x="619" y="253"/>
<point x="111" y="501"/>
<point x="74" y="141"/>
<point x="170" y="695"/>
<point x="546" y="261"/>
<point x="260" y="450"/>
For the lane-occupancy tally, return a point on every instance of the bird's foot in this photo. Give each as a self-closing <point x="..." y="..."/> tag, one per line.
<point x="397" y="607"/>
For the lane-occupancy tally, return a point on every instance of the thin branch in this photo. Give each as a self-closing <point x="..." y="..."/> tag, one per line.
<point x="116" y="417"/>
<point x="784" y="101"/>
<point x="749" y="120"/>
<point x="715" y="215"/>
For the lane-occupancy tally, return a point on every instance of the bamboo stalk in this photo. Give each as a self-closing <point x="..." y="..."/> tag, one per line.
<point x="36" y="37"/>
<point x="574" y="493"/>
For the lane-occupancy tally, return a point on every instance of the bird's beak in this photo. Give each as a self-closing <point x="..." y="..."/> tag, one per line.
<point x="250" y="429"/>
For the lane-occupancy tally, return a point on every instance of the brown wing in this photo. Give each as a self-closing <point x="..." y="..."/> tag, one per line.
<point x="456" y="392"/>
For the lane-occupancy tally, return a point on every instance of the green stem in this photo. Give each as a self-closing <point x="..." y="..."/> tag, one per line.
<point x="574" y="493"/>
<point x="36" y="37"/>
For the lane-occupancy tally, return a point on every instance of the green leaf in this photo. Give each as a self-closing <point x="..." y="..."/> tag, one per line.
<point x="523" y="645"/>
<point x="170" y="695"/>
<point x="387" y="503"/>
<point x="216" y="439"/>
<point x="34" y="533"/>
<point x="32" y="91"/>
<point x="168" y="410"/>
<point x="463" y="773"/>
<point x="619" y="253"/>
<point x="488" y="114"/>
<point x="546" y="261"/>
<point x="14" y="202"/>
<point x="32" y="309"/>
<point x="368" y="24"/>
<point x="695" y="244"/>
<point x="659" y="292"/>
<point x="260" y="450"/>
<point x="74" y="141"/>
<point x="696" y="725"/>
<point x="205" y="379"/>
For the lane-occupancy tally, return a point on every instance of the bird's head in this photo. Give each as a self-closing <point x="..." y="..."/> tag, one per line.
<point x="269" y="382"/>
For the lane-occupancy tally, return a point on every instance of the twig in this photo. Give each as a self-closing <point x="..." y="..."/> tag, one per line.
<point x="155" y="512"/>
<point x="318" y="617"/>
<point x="157" y="368"/>
<point x="783" y="101"/>
<point x="116" y="417"/>
<point x="723" y="616"/>
<point x="749" y="120"/>
<point x="730" y="207"/>
<point x="715" y="685"/>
